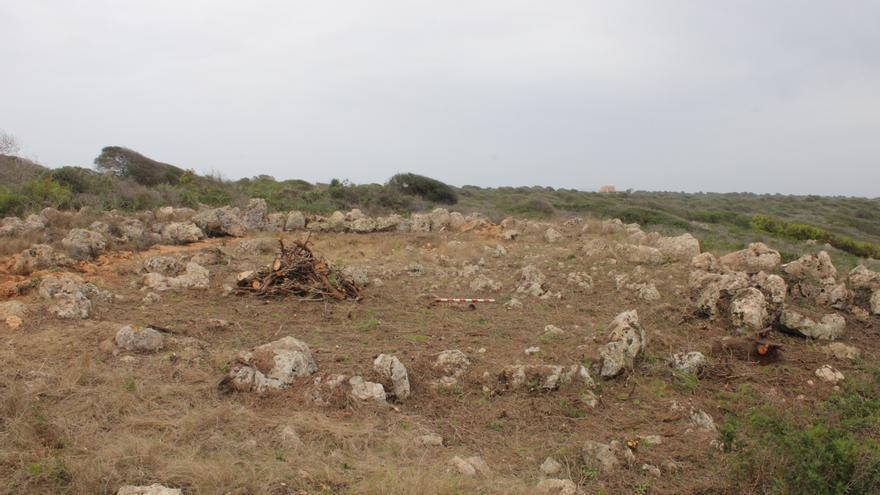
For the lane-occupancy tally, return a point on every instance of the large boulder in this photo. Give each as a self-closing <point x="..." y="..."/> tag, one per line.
<point x="295" y="221"/>
<point x="84" y="244"/>
<point x="216" y="222"/>
<point x="195" y="276"/>
<point x="829" y="327"/>
<point x="362" y="225"/>
<point x="391" y="369"/>
<point x="680" y="248"/>
<point x="181" y="233"/>
<point x="254" y="216"/>
<point x="272" y="366"/>
<point x="420" y="222"/>
<point x="71" y="297"/>
<point x="639" y="254"/>
<point x="626" y="342"/>
<point x="439" y="219"/>
<point x="275" y="222"/>
<point x="861" y="277"/>
<point x="39" y="257"/>
<point x="816" y="266"/>
<point x="748" y="310"/>
<point x="755" y="258"/>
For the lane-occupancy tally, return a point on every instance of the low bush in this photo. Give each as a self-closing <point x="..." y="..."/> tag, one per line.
<point x="424" y="187"/>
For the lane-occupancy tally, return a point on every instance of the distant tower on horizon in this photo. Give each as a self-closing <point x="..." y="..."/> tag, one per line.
<point x="607" y="189"/>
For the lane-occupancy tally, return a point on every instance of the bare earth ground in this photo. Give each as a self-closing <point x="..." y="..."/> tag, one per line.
<point x="78" y="417"/>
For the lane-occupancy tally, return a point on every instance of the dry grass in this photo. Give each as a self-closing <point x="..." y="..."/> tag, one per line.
<point x="77" y="419"/>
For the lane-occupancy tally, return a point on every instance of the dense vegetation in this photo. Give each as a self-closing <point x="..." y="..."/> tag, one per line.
<point x="127" y="180"/>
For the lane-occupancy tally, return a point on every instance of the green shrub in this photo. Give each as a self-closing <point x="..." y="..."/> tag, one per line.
<point x="534" y="207"/>
<point x="834" y="451"/>
<point x="11" y="202"/>
<point x="123" y="162"/>
<point x="40" y="193"/>
<point x="424" y="187"/>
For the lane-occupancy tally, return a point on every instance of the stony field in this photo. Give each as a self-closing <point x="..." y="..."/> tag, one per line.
<point x="136" y="360"/>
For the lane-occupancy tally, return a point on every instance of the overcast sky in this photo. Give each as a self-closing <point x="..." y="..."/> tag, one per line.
<point x="762" y="96"/>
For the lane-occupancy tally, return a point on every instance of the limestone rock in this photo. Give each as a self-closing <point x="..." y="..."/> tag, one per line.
<point x="39" y="257"/>
<point x="452" y="363"/>
<point x="154" y="489"/>
<point x="271" y="366"/>
<point x="816" y="266"/>
<point x="367" y="391"/>
<point x="217" y="222"/>
<point x="139" y="339"/>
<point x="599" y="455"/>
<point x="748" y="311"/>
<point x="828" y="374"/>
<point x="195" y="276"/>
<point x="390" y="368"/>
<point x="680" y="248"/>
<point x="295" y="221"/>
<point x="550" y="466"/>
<point x="626" y="342"/>
<point x="181" y="233"/>
<point x="84" y="244"/>
<point x="757" y="257"/>
<point x="552" y="235"/>
<point x="543" y="376"/>
<point x="254" y="216"/>
<point x="842" y="351"/>
<point x="830" y="326"/>
<point x="861" y="277"/>
<point x="689" y="362"/>
<point x="639" y="254"/>
<point x="554" y="486"/>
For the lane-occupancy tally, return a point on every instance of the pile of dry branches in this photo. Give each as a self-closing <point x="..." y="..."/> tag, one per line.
<point x="297" y="272"/>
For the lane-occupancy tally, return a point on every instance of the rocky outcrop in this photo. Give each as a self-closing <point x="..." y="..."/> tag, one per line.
<point x="680" y="248"/>
<point x="195" y="276"/>
<point x="39" y="257"/>
<point x="181" y="233"/>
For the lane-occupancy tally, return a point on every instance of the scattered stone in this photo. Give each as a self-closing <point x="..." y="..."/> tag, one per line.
<point x="259" y="245"/>
<point x="626" y="343"/>
<point x="581" y="279"/>
<point x="254" y="216"/>
<point x="271" y="366"/>
<point x="599" y="455"/>
<point x="194" y="277"/>
<point x="532" y="350"/>
<point x="453" y="363"/>
<point x="514" y="303"/>
<point x="550" y="466"/>
<point x="150" y="298"/>
<point x="429" y="440"/>
<point x="390" y="368"/>
<point x="367" y="391"/>
<point x="71" y="296"/>
<point x="652" y="470"/>
<point x="289" y="438"/>
<point x="554" y="486"/>
<point x="639" y="254"/>
<point x="757" y="257"/>
<point x="181" y="233"/>
<point x="552" y="235"/>
<point x="13" y="322"/>
<point x="39" y="257"/>
<point x="875" y="302"/>
<point x="543" y="376"/>
<point x="842" y="351"/>
<point x="139" y="339"/>
<point x="13" y="308"/>
<point x="647" y="292"/>
<point x="690" y="362"/>
<point x="828" y="374"/>
<point x="553" y="330"/>
<point x="154" y="489"/>
<point x="830" y="327"/>
<point x="702" y="420"/>
<point x="533" y="282"/>
<point x="706" y="262"/>
<point x="482" y="283"/>
<point x="84" y="244"/>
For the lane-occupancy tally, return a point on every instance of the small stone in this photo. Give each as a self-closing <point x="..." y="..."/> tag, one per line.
<point x="550" y="466"/>
<point x="702" y="420"/>
<point x="828" y="374"/>
<point x="651" y="469"/>
<point x="429" y="440"/>
<point x="13" y="321"/>
<point x="533" y="350"/>
<point x="842" y="351"/>
<point x="289" y="438"/>
<point x="514" y="303"/>
<point x="553" y="330"/>
<point x="139" y="339"/>
<point x="154" y="489"/>
<point x="554" y="486"/>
